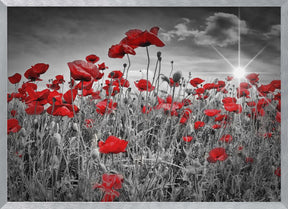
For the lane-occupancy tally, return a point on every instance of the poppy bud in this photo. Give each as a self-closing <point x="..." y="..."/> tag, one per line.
<point x="53" y="124"/>
<point x="75" y="127"/>
<point x="95" y="153"/>
<point x="112" y="74"/>
<point x="57" y="139"/>
<point x="177" y="76"/>
<point x="159" y="55"/>
<point x="22" y="132"/>
<point x="172" y="62"/>
<point x="124" y="65"/>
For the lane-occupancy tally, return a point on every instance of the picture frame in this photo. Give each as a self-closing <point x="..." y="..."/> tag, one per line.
<point x="144" y="3"/>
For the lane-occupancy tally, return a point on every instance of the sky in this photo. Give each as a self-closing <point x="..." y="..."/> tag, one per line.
<point x="195" y="38"/>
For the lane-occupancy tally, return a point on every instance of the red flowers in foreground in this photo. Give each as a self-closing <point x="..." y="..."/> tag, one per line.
<point x="217" y="154"/>
<point x="211" y="112"/>
<point x="112" y="145"/>
<point x="13" y="126"/>
<point x="84" y="71"/>
<point x="15" y="78"/>
<point x="110" y="182"/>
<point x="142" y="85"/>
<point x="35" y="71"/>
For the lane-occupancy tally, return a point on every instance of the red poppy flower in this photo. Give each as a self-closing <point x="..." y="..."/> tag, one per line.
<point x="63" y="110"/>
<point x="229" y="78"/>
<point x="241" y="92"/>
<point x="102" y="66"/>
<point x="9" y="97"/>
<point x="232" y="107"/>
<point x="253" y="78"/>
<point x="198" y="124"/>
<point x="28" y="85"/>
<point x="278" y="117"/>
<point x="263" y="103"/>
<point x="110" y="182"/>
<point x="258" y="112"/>
<point x="249" y="160"/>
<point x="209" y="86"/>
<point x="13" y="113"/>
<point x="70" y="96"/>
<point x="240" y="148"/>
<point x="217" y="154"/>
<point x="142" y="85"/>
<point x="277" y="172"/>
<point x="96" y="95"/>
<point x="186" y="102"/>
<point x="115" y="74"/>
<point x="111" y="90"/>
<point x="279" y="106"/>
<point x="200" y="91"/>
<point x="119" y="50"/>
<point x="54" y="97"/>
<point x="146" y="110"/>
<point x="121" y="82"/>
<point x="92" y="58"/>
<point x="40" y="68"/>
<point x="171" y="83"/>
<point x="32" y="75"/>
<point x="277" y="96"/>
<point x="15" y="78"/>
<point x="251" y="104"/>
<point x="226" y="138"/>
<point x="135" y="38"/>
<point x="40" y="97"/>
<point x="245" y="85"/>
<point x="53" y="86"/>
<point x="84" y="71"/>
<point x="60" y="78"/>
<point x="196" y="81"/>
<point x="276" y="84"/>
<point x="211" y="112"/>
<point x="216" y="126"/>
<point x="220" y="117"/>
<point x="112" y="145"/>
<point x="89" y="123"/>
<point x="221" y="84"/>
<point x="34" y="108"/>
<point x="187" y="138"/>
<point x="229" y="100"/>
<point x="105" y="106"/>
<point x="267" y="135"/>
<point x="166" y="106"/>
<point x="13" y="126"/>
<point x="266" y="89"/>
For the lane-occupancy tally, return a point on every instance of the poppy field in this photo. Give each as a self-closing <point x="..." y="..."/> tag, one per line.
<point x="107" y="138"/>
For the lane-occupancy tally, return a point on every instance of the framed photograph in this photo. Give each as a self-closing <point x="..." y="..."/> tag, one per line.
<point x="144" y="104"/>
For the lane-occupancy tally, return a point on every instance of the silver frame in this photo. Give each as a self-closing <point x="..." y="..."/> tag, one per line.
<point x="148" y="3"/>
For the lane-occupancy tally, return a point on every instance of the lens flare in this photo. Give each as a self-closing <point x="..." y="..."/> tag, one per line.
<point x="239" y="72"/>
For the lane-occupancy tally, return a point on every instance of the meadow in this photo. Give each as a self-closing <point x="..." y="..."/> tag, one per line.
<point x="118" y="140"/>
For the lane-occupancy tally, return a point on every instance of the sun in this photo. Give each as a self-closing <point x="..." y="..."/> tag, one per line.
<point x="239" y="72"/>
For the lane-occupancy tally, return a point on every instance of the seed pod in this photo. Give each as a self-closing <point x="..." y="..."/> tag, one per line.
<point x="95" y="153"/>
<point x="177" y="76"/>
<point x="57" y="139"/>
<point x="75" y="127"/>
<point x="22" y="132"/>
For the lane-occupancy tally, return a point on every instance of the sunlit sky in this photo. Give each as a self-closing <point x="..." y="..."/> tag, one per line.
<point x="56" y="36"/>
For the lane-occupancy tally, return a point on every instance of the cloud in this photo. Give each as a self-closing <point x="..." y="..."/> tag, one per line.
<point x="221" y="30"/>
<point x="180" y="31"/>
<point x="274" y="32"/>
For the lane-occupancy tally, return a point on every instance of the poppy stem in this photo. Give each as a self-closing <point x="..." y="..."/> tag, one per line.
<point x="128" y="67"/>
<point x="72" y="102"/>
<point x="148" y="63"/>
